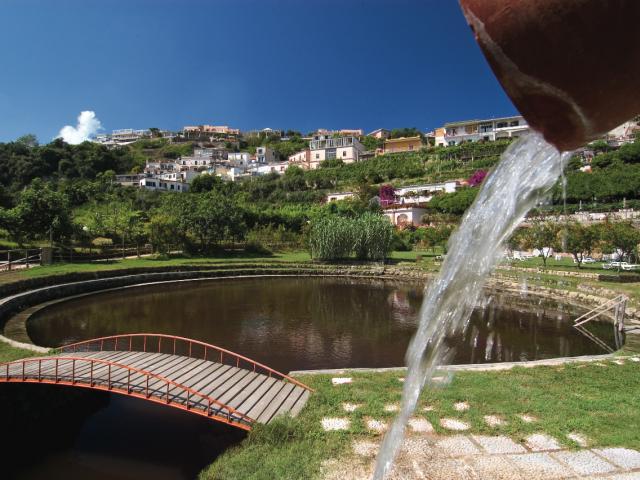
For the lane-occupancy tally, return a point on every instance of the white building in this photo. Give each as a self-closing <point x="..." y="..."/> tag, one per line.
<point x="347" y="149"/>
<point x="337" y="196"/>
<point x="194" y="163"/>
<point x="301" y="159"/>
<point x="153" y="183"/>
<point x="489" y="130"/>
<point x="239" y="159"/>
<point x="400" y="216"/>
<point x="414" y="194"/>
<point x="265" y="155"/>
<point x="130" y="180"/>
<point x="259" y="169"/>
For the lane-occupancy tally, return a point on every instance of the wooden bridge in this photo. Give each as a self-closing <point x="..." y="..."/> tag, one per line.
<point x="179" y="372"/>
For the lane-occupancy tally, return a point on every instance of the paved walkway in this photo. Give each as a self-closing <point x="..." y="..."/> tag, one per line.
<point x="476" y="457"/>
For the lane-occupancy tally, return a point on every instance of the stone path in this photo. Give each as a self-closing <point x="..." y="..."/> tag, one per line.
<point x="463" y="455"/>
<point x="480" y="457"/>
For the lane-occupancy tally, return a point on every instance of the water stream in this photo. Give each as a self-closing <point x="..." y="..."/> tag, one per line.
<point x="527" y="171"/>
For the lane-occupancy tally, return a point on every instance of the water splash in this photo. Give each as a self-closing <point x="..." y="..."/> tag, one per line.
<point x="527" y="171"/>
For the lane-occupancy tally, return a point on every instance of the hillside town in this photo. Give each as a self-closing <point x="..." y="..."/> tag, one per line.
<point x="217" y="151"/>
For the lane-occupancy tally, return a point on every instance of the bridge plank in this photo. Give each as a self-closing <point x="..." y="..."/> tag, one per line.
<point x="299" y="405"/>
<point x="273" y="403"/>
<point x="247" y="403"/>
<point x="289" y="402"/>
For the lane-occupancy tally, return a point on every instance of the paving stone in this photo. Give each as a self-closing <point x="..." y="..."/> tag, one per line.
<point x="329" y="424"/>
<point x="539" y="442"/>
<point x="454" y="424"/>
<point x="580" y="439"/>
<point x="528" y="418"/>
<point x="350" y="407"/>
<point x="420" y="425"/>
<point x="623" y="457"/>
<point x="461" y="406"/>
<point x="585" y="462"/>
<point x="619" y="362"/>
<point x="365" y="448"/>
<point x="635" y="359"/>
<point x="377" y="426"/>
<point x="457" y="445"/>
<point x="428" y="408"/>
<point x="498" y="444"/>
<point x="401" y="379"/>
<point x="494" y="467"/>
<point x="392" y="407"/>
<point x="494" y="420"/>
<point x="620" y="476"/>
<point x="341" y="380"/>
<point x="540" y="466"/>
<point x="439" y="469"/>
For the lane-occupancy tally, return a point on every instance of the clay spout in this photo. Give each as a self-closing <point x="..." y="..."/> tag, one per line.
<point x="571" y="67"/>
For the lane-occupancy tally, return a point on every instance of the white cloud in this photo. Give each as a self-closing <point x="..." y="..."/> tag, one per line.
<point x="88" y="125"/>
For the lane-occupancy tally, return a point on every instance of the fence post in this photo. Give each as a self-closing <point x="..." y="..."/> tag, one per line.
<point x="26" y="258"/>
<point x="46" y="256"/>
<point x="9" y="260"/>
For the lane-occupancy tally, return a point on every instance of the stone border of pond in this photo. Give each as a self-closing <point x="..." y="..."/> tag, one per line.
<point x="17" y="308"/>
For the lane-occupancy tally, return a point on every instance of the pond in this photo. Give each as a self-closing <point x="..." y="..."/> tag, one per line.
<point x="299" y="323"/>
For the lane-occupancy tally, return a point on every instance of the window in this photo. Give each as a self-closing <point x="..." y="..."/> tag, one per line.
<point x="501" y="125"/>
<point x="172" y="187"/>
<point x="515" y="123"/>
<point x="330" y="153"/>
<point x="317" y="156"/>
<point x="410" y="147"/>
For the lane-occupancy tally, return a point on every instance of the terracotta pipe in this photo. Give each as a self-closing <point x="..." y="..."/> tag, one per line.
<point x="571" y="67"/>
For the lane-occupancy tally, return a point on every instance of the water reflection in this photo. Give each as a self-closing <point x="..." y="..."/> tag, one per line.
<point x="307" y="323"/>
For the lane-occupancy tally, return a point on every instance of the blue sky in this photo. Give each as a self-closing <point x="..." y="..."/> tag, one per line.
<point x="299" y="64"/>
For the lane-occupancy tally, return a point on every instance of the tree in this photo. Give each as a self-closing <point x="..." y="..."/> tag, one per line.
<point x="41" y="212"/>
<point x="580" y="240"/>
<point x="621" y="238"/>
<point x="543" y="236"/>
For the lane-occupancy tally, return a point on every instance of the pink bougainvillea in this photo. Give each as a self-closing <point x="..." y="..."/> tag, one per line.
<point x="477" y="178"/>
<point x="387" y="195"/>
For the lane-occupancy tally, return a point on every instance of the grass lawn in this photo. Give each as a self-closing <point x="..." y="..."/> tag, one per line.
<point x="601" y="402"/>
<point x="146" y="262"/>
<point x="565" y="264"/>
<point x="9" y="353"/>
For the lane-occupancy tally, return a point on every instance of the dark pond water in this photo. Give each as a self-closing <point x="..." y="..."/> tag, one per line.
<point x="287" y="323"/>
<point x="295" y="323"/>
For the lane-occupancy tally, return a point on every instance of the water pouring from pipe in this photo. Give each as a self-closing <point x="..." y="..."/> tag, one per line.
<point x="545" y="81"/>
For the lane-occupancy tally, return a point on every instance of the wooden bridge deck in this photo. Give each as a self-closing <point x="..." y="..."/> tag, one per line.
<point x="228" y="393"/>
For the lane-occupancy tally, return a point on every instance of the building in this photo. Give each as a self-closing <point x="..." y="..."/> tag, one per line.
<point x="380" y="133"/>
<point x="128" y="135"/>
<point x="301" y="159"/>
<point x="402" y="144"/>
<point x="265" y="155"/>
<point x="416" y="194"/>
<point x="439" y="137"/>
<point x="337" y="196"/>
<point x="487" y="130"/>
<point x="625" y="133"/>
<point x="402" y="216"/>
<point x="194" y="163"/>
<point x="239" y="159"/>
<point x="210" y="129"/>
<point x="266" y="169"/>
<point x="185" y="176"/>
<point x="130" y="180"/>
<point x="155" y="168"/>
<point x="347" y="149"/>
<point x="212" y="153"/>
<point x="345" y="132"/>
<point x="123" y="136"/>
<point x="154" y="183"/>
